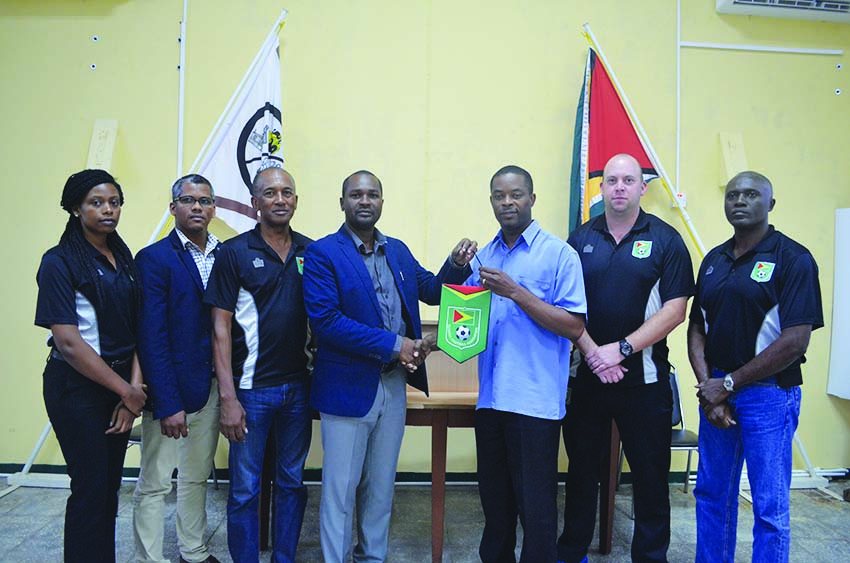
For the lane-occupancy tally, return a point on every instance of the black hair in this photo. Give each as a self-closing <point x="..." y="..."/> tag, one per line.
<point x="74" y="243"/>
<point x="358" y="173"/>
<point x="519" y="171"/>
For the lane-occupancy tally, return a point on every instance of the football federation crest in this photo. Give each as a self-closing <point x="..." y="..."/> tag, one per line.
<point x="464" y="320"/>
<point x="762" y="271"/>
<point x="642" y="248"/>
<point x="259" y="142"/>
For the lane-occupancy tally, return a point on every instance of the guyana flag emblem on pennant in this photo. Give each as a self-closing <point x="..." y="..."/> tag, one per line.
<point x="464" y="319"/>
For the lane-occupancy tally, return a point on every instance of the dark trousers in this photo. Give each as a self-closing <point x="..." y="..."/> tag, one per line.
<point x="517" y="476"/>
<point x="80" y="411"/>
<point x="643" y="415"/>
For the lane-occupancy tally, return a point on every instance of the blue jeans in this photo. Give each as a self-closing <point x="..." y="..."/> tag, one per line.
<point x="287" y="408"/>
<point x="766" y="417"/>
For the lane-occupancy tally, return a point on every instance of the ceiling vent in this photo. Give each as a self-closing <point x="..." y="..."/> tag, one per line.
<point x="826" y="10"/>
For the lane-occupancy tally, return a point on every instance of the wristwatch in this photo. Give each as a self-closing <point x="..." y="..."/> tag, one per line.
<point x="728" y="384"/>
<point x="625" y="348"/>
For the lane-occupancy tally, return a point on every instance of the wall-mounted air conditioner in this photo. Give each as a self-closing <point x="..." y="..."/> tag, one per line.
<point x="821" y="10"/>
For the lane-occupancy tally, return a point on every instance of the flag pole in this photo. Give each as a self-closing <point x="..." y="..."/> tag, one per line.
<point x="181" y="114"/>
<point x="644" y="140"/>
<point x="206" y="146"/>
<point x="181" y="90"/>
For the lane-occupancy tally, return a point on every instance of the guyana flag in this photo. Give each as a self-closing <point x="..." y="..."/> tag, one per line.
<point x="464" y="319"/>
<point x="603" y="129"/>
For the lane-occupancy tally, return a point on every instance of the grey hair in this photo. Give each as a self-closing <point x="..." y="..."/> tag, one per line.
<point x="268" y="164"/>
<point x="177" y="188"/>
<point x="754" y="177"/>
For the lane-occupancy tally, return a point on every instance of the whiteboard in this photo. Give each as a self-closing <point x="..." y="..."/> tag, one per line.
<point x="839" y="358"/>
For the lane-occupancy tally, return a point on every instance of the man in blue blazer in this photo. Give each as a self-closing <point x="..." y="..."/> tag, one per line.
<point x="176" y="358"/>
<point x="362" y="289"/>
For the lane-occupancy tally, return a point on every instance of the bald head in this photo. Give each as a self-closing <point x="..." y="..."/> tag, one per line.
<point x="623" y="161"/>
<point x="621" y="189"/>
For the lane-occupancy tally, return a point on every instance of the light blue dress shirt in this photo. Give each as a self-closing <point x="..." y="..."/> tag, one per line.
<point x="525" y="367"/>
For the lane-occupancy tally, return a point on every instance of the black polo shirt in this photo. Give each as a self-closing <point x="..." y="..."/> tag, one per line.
<point x="67" y="296"/>
<point x="265" y="295"/>
<point x="744" y="304"/>
<point x="627" y="283"/>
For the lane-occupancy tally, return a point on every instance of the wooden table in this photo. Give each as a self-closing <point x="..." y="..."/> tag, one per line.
<point x="440" y="411"/>
<point x="457" y="410"/>
<point x="607" y="491"/>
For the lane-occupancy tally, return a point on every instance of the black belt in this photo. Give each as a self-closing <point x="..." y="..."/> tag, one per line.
<point x="55" y="354"/>
<point x="389" y="366"/>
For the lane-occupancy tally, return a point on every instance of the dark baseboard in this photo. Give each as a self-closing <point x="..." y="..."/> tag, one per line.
<point x="314" y="475"/>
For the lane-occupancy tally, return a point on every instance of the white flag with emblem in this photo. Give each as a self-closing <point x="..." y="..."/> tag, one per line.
<point x="246" y="138"/>
<point x="249" y="137"/>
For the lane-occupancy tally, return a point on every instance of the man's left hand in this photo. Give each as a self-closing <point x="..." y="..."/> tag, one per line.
<point x="463" y="252"/>
<point x="498" y="282"/>
<point x="174" y="426"/>
<point x="712" y="392"/>
<point x="122" y="419"/>
<point x="604" y="357"/>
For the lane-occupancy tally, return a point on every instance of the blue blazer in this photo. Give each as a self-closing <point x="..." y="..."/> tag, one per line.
<point x="174" y="343"/>
<point x="346" y="318"/>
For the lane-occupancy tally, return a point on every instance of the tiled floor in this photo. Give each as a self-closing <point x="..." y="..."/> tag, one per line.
<point x="31" y="524"/>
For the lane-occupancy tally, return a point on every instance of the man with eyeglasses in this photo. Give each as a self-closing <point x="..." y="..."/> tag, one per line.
<point x="263" y="369"/>
<point x="181" y="429"/>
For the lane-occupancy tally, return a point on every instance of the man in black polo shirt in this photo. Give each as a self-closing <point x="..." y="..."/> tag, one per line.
<point x="638" y="278"/>
<point x="262" y="366"/>
<point x="758" y="300"/>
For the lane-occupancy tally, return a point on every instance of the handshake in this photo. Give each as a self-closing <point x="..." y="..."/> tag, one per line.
<point x="414" y="352"/>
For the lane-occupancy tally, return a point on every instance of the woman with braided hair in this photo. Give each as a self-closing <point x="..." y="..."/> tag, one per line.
<point x="88" y="297"/>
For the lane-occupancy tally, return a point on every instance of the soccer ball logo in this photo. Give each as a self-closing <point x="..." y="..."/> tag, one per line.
<point x="462" y="333"/>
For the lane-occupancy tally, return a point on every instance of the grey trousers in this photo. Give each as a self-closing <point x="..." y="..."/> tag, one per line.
<point x="358" y="470"/>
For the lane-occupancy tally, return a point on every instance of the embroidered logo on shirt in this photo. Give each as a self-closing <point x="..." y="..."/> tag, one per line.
<point x="709" y="271"/>
<point x="588" y="248"/>
<point x="299" y="261"/>
<point x="762" y="271"/>
<point x="642" y="248"/>
<point x="258" y="262"/>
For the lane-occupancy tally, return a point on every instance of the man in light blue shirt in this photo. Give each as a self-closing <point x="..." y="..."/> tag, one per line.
<point x="538" y="306"/>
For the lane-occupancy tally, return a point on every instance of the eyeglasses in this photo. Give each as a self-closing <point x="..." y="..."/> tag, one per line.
<point x="189" y="200"/>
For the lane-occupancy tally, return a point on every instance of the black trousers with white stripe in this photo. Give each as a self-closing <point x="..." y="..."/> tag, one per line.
<point x="80" y="411"/>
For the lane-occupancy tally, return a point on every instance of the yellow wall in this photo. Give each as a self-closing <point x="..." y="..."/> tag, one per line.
<point x="433" y="96"/>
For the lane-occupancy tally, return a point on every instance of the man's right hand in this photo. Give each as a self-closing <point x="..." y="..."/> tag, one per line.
<point x="411" y="354"/>
<point x="174" y="426"/>
<point x="232" y="420"/>
<point x="719" y="415"/>
<point x="612" y="374"/>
